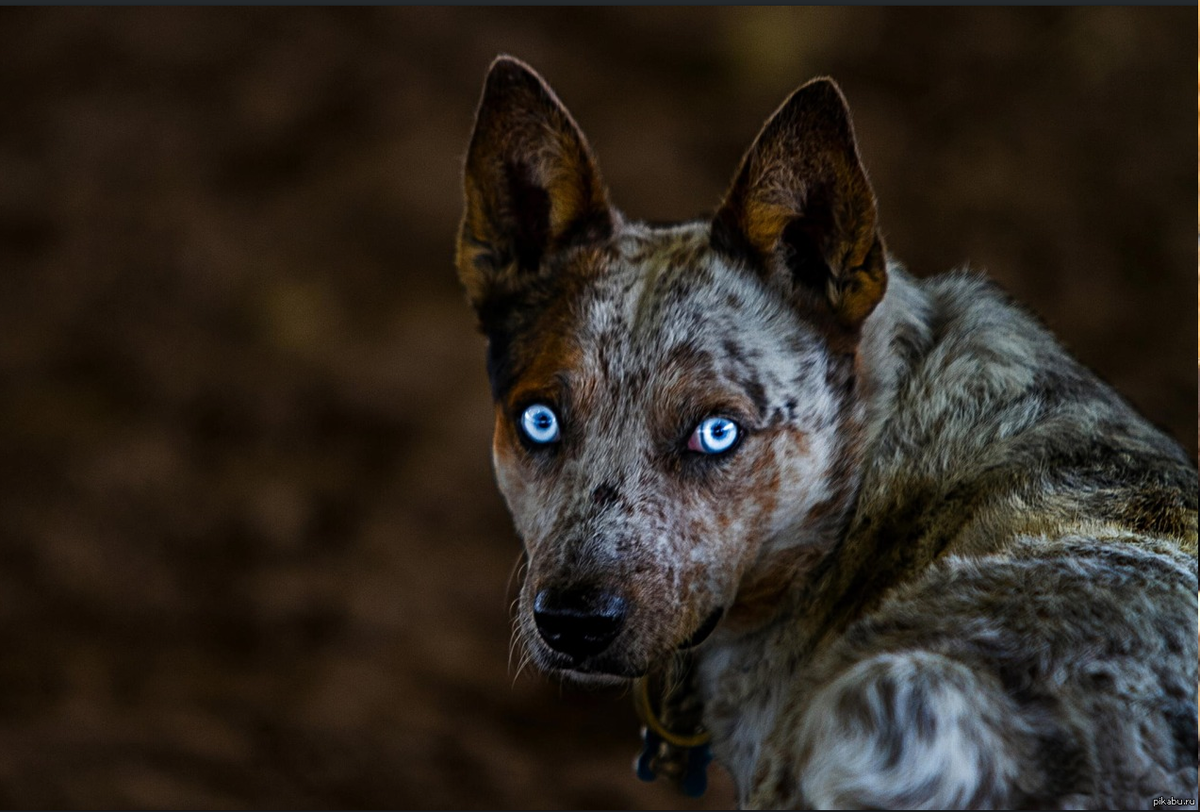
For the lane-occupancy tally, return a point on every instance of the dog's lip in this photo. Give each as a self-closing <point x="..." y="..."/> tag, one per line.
<point x="598" y="679"/>
<point x="706" y="628"/>
<point x="600" y="671"/>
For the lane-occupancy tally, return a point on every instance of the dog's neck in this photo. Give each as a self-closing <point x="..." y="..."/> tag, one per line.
<point x="784" y="586"/>
<point x="815" y="597"/>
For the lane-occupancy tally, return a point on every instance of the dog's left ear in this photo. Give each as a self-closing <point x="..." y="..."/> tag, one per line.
<point x="531" y="189"/>
<point x="802" y="211"/>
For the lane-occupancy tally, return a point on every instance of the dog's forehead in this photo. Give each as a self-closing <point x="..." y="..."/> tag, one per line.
<point x="667" y="296"/>
<point x="655" y="283"/>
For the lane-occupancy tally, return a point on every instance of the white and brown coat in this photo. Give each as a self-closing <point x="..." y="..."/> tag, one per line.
<point x="951" y="567"/>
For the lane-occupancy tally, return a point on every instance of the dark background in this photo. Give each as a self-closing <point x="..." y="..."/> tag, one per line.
<point x="251" y="552"/>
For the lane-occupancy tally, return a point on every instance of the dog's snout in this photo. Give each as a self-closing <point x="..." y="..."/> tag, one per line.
<point x="578" y="622"/>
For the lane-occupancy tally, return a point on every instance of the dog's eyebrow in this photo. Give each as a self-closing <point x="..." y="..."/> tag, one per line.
<point x="545" y="372"/>
<point x="556" y="388"/>
<point x="691" y="377"/>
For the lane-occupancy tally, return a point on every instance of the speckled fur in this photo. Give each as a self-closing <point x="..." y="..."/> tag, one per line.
<point x="956" y="569"/>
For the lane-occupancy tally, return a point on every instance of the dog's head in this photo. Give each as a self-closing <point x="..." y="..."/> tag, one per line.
<point x="675" y="408"/>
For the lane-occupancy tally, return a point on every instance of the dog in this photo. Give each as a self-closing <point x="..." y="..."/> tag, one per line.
<point x="912" y="553"/>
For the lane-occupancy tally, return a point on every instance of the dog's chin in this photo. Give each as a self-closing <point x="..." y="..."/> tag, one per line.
<point x="600" y="672"/>
<point x="591" y="679"/>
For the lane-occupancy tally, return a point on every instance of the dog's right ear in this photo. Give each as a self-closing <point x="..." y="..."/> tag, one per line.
<point x="531" y="187"/>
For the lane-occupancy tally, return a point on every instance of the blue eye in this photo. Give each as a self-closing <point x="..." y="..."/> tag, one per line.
<point x="540" y="424"/>
<point x="714" y="435"/>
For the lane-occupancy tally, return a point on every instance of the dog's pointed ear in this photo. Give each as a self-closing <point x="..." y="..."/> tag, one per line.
<point x="802" y="211"/>
<point x="531" y="187"/>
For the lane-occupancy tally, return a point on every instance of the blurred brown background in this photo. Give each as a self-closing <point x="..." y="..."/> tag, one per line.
<point x="251" y="553"/>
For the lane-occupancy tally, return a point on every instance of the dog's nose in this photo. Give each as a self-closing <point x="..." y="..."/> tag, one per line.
<point x="578" y="622"/>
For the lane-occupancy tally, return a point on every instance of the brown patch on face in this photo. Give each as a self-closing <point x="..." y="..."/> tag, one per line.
<point x="776" y="573"/>
<point x="504" y="438"/>
<point x="542" y="375"/>
<point x="764" y="480"/>
<point x="535" y="340"/>
<point x="536" y="367"/>
<point x="750" y="504"/>
<point x="746" y="500"/>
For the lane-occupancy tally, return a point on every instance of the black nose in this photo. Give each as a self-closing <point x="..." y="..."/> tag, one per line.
<point x="578" y="622"/>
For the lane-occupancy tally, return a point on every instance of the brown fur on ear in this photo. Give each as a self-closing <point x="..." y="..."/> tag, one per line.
<point x="531" y="187"/>
<point x="802" y="210"/>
